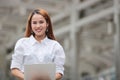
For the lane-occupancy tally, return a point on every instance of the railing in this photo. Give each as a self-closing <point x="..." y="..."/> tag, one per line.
<point x="105" y="75"/>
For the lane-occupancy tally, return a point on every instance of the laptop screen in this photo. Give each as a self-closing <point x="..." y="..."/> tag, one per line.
<point x="40" y="72"/>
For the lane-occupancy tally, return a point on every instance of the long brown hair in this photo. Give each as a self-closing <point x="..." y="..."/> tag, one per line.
<point x="49" y="32"/>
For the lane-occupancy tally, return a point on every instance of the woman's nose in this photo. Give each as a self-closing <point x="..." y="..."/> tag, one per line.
<point x="38" y="25"/>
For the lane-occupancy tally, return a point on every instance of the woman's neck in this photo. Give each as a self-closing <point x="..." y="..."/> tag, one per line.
<point x="39" y="38"/>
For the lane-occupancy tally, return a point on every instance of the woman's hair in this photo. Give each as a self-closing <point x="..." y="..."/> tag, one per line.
<point x="44" y="13"/>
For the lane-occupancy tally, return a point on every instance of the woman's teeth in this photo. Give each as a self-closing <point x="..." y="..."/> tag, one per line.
<point x="38" y="30"/>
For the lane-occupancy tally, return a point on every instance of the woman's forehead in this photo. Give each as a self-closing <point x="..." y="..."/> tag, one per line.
<point x="37" y="17"/>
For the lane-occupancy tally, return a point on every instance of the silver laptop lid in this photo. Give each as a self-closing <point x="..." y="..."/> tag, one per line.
<point x="40" y="72"/>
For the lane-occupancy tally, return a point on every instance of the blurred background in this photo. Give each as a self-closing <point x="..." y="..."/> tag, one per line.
<point x="88" y="30"/>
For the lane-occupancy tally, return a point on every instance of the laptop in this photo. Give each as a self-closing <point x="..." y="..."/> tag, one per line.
<point x="40" y="71"/>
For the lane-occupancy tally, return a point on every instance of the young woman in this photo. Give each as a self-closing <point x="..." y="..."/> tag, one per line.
<point x="38" y="46"/>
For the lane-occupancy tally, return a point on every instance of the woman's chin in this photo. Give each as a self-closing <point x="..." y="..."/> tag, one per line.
<point x="39" y="34"/>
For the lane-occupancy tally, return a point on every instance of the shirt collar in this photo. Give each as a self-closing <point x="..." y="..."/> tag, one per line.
<point x="33" y="40"/>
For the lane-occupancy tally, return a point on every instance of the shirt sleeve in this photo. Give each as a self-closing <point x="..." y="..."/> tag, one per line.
<point x="59" y="59"/>
<point x="17" y="57"/>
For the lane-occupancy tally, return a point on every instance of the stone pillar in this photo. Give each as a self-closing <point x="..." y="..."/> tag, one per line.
<point x="73" y="41"/>
<point x="117" y="38"/>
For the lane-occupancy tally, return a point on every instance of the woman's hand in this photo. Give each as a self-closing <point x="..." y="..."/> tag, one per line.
<point x="17" y="73"/>
<point x="58" y="76"/>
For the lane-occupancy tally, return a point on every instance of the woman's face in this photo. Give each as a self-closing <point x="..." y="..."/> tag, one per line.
<point x="39" y="25"/>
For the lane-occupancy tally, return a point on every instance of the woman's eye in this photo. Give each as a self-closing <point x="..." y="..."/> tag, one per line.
<point x="41" y="22"/>
<point x="34" y="22"/>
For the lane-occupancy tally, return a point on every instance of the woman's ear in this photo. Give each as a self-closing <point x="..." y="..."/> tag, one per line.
<point x="47" y="24"/>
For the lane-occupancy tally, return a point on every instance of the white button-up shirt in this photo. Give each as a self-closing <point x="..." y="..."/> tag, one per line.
<point x="30" y="51"/>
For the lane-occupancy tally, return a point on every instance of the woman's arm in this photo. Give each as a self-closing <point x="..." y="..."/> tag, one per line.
<point x="58" y="76"/>
<point x="59" y="60"/>
<point x="17" y="73"/>
<point x="17" y="60"/>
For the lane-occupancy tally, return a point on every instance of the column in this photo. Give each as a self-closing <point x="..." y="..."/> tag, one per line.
<point x="117" y="38"/>
<point x="73" y="41"/>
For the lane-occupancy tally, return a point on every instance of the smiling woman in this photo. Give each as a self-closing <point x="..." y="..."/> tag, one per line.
<point x="39" y="26"/>
<point x="39" y="18"/>
<point x="39" y="42"/>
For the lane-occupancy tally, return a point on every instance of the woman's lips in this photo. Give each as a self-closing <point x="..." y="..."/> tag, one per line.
<point x="38" y="30"/>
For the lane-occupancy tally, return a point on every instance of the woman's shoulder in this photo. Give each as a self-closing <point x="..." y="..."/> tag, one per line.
<point x="55" y="42"/>
<point x="22" y="40"/>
